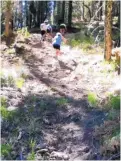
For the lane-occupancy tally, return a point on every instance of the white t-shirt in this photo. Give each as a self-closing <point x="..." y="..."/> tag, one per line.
<point x="43" y="26"/>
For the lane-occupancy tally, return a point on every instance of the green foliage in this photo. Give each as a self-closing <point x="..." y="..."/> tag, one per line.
<point x="113" y="114"/>
<point x="82" y="41"/>
<point x="6" y="149"/>
<point x="92" y="99"/>
<point x="9" y="81"/>
<point x="108" y="67"/>
<point x="62" y="101"/>
<point x="11" y="51"/>
<point x="3" y="101"/>
<point x="8" y="115"/>
<point x="3" y="80"/>
<point x="31" y="156"/>
<point x="19" y="82"/>
<point x="24" y="32"/>
<point x="114" y="102"/>
<point x="7" y="5"/>
<point x="32" y="144"/>
<point x="113" y="138"/>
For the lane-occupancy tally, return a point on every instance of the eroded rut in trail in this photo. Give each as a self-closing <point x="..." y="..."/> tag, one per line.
<point x="53" y="109"/>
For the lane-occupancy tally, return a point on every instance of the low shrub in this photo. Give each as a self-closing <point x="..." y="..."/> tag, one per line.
<point x="92" y="99"/>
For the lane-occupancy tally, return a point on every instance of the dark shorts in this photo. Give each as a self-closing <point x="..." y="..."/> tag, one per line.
<point x="56" y="46"/>
<point x="43" y="32"/>
<point x="48" y="31"/>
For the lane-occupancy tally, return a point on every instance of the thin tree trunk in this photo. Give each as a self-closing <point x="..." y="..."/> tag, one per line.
<point x="108" y="29"/>
<point x="70" y="14"/>
<point x="83" y="10"/>
<point x="63" y="11"/>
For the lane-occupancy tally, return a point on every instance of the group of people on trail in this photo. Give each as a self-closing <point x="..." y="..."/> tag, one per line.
<point x="46" y="29"/>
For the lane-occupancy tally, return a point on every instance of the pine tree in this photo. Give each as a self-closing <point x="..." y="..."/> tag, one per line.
<point x="108" y="29"/>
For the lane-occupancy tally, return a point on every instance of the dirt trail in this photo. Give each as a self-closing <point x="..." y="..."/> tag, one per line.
<point x="64" y="127"/>
<point x="70" y="128"/>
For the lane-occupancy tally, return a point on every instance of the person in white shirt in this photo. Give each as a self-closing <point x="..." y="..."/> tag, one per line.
<point x="45" y="28"/>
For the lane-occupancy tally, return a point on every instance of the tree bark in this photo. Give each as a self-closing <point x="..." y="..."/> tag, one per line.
<point x="8" y="18"/>
<point x="108" y="29"/>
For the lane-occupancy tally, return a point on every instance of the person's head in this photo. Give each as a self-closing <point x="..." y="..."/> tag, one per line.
<point x="58" y="34"/>
<point x="62" y="29"/>
<point x="46" y="21"/>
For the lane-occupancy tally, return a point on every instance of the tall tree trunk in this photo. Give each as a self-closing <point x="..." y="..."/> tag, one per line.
<point x="42" y="17"/>
<point x="70" y="14"/>
<point x="8" y="18"/>
<point x="108" y="29"/>
<point x="63" y="11"/>
<point x="27" y="15"/>
<point x="7" y="25"/>
<point x="38" y="13"/>
<point x="83" y="10"/>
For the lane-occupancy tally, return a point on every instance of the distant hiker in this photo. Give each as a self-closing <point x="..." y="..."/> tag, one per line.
<point x="57" y="42"/>
<point x="45" y="28"/>
<point x="63" y="28"/>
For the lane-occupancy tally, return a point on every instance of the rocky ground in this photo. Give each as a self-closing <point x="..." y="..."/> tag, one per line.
<point x="51" y="115"/>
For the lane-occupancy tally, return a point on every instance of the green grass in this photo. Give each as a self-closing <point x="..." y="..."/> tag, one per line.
<point x="62" y="101"/>
<point x="19" y="82"/>
<point x="113" y="137"/>
<point x="3" y="101"/>
<point x="82" y="41"/>
<point x="11" y="51"/>
<point x="113" y="114"/>
<point x="24" y="32"/>
<point x="7" y="115"/>
<point x="6" y="81"/>
<point x="6" y="149"/>
<point x="114" y="102"/>
<point x="10" y="81"/>
<point x="32" y="144"/>
<point x="31" y="156"/>
<point x="92" y="99"/>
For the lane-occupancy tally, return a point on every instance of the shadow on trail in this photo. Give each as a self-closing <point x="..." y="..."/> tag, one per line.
<point x="57" y="125"/>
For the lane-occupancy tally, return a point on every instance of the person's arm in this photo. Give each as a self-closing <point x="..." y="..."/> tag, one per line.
<point x="64" y="39"/>
<point x="53" y="39"/>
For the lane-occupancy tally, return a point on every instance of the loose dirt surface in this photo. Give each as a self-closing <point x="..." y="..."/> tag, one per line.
<point x="52" y="107"/>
